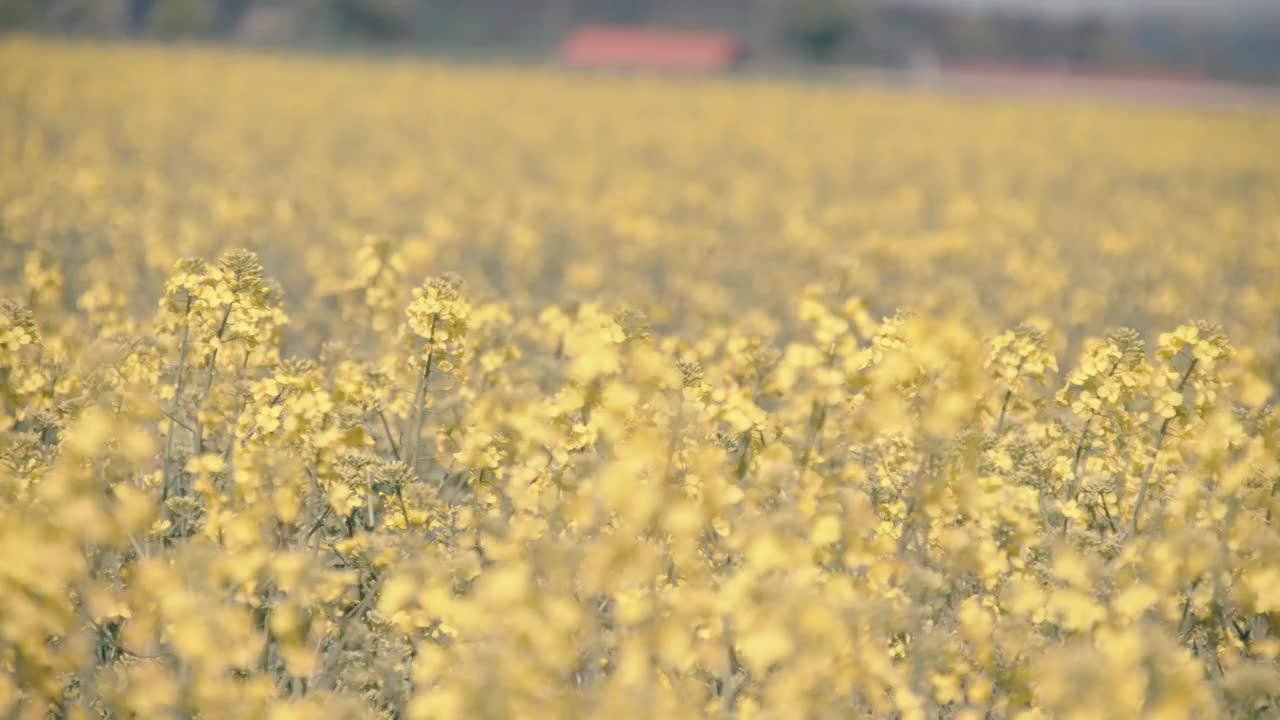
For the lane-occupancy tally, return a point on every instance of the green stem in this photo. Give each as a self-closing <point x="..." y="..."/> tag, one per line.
<point x="208" y="380"/>
<point x="1004" y="407"/>
<point x="391" y="440"/>
<point x="1151" y="464"/>
<point x="177" y="397"/>
<point x="410" y="444"/>
<point x="728" y="681"/>
<point x="1008" y="395"/>
<point x="1081" y="449"/>
<point x="404" y="510"/>
<point x="817" y="418"/>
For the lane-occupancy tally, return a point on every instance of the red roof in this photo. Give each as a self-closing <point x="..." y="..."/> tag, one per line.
<point x="662" y="49"/>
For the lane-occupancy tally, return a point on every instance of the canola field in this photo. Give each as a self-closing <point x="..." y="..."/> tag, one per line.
<point x="385" y="388"/>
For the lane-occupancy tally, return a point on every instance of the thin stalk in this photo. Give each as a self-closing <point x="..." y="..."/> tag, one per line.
<point x="1187" y="622"/>
<point x="1107" y="512"/>
<point x="1275" y="485"/>
<point x="477" y="545"/>
<point x="404" y="510"/>
<point x="4" y="396"/>
<point x="1008" y="395"/>
<point x="1151" y="464"/>
<point x="817" y="418"/>
<point x="916" y="489"/>
<point x="1074" y="488"/>
<point x="744" y="458"/>
<point x="319" y="521"/>
<point x="177" y="397"/>
<point x="1081" y="449"/>
<point x="391" y="440"/>
<point x="1004" y="407"/>
<point x="174" y="419"/>
<point x="410" y="444"/>
<point x="208" y="380"/>
<point x="728" y="682"/>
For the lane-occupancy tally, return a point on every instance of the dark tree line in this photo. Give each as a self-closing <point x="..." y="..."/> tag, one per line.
<point x="824" y="31"/>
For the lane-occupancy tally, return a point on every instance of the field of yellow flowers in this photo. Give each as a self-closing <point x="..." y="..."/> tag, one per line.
<point x="379" y="388"/>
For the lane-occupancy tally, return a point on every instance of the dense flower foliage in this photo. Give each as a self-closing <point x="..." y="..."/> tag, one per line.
<point x="747" y="400"/>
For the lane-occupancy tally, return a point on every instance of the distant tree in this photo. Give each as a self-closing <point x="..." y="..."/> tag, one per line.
<point x="180" y="18"/>
<point x="17" y="13"/>
<point x="138" y="12"/>
<point x="76" y="16"/>
<point x="99" y="16"/>
<point x="822" y="30"/>
<point x="974" y="37"/>
<point x="377" y="19"/>
<point x="229" y="13"/>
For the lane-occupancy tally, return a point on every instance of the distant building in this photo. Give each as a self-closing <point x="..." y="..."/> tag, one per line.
<point x="620" y="47"/>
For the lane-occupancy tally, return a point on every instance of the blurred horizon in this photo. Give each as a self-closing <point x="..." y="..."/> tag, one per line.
<point x="1199" y="8"/>
<point x="1236" y="40"/>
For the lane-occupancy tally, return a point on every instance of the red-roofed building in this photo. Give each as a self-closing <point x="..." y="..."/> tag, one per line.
<point x="615" y="47"/>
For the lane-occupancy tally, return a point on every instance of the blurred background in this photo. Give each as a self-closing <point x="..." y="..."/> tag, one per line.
<point x="1169" y="40"/>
